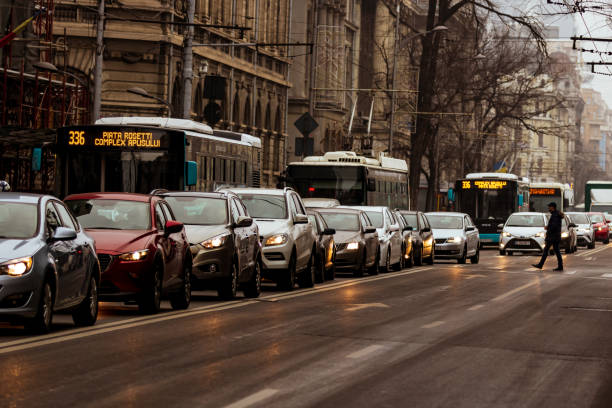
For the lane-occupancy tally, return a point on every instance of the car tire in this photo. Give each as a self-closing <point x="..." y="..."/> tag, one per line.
<point x="229" y="286"/>
<point x="41" y="323"/>
<point x="606" y="241"/>
<point x="330" y="274"/>
<point x="181" y="299"/>
<point x="252" y="288"/>
<point x="502" y="252"/>
<point x="432" y="257"/>
<point x="306" y="279"/>
<point x="591" y="245"/>
<point x="387" y="267"/>
<point x="149" y="301"/>
<point x="375" y="268"/>
<point x="418" y="258"/>
<point x="476" y="258"/>
<point x="86" y="312"/>
<point x="410" y="261"/>
<point x="463" y="258"/>
<point x="360" y="270"/>
<point x="398" y="265"/>
<point x="320" y="276"/>
<point x="287" y="280"/>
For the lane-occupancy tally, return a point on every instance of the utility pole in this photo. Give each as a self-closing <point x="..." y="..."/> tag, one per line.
<point x="97" y="102"/>
<point x="188" y="62"/>
<point x="394" y="75"/>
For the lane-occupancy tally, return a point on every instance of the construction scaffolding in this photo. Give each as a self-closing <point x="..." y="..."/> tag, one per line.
<point x="34" y="101"/>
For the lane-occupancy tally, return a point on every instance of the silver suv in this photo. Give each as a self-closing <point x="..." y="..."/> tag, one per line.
<point x="285" y="233"/>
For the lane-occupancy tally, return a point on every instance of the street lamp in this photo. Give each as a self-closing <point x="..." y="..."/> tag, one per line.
<point x="394" y="72"/>
<point x="49" y="67"/>
<point x="141" y="92"/>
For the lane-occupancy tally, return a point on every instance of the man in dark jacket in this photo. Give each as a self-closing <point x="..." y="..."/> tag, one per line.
<point x="553" y="237"/>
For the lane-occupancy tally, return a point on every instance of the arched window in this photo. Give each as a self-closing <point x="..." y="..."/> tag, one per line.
<point x="236" y="111"/>
<point x="278" y="121"/>
<point x="268" y="124"/>
<point x="247" y="112"/>
<point x="258" y="115"/>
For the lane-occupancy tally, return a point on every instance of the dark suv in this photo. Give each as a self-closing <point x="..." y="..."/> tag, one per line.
<point x="224" y="241"/>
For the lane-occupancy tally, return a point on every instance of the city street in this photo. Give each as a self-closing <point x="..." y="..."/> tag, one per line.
<point x="499" y="333"/>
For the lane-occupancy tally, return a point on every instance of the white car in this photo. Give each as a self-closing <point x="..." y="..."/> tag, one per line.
<point x="584" y="229"/>
<point x="455" y="236"/>
<point x="389" y="236"/>
<point x="523" y="232"/>
<point x="288" y="245"/>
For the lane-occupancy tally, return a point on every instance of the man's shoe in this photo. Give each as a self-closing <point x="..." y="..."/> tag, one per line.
<point x="558" y="269"/>
<point x="537" y="266"/>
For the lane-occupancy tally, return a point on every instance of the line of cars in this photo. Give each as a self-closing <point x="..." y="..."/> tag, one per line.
<point x="137" y="249"/>
<point x="525" y="232"/>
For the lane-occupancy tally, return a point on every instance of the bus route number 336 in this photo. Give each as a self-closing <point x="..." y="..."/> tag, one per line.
<point x="77" y="138"/>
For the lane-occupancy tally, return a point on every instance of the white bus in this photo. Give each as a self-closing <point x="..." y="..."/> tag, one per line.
<point x="541" y="194"/>
<point x="352" y="179"/>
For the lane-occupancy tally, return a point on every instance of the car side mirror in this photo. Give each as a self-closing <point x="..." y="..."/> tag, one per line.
<point x="329" y="231"/>
<point x="243" y="221"/>
<point x="470" y="228"/>
<point x="572" y="225"/>
<point x="369" y="229"/>
<point x="426" y="230"/>
<point x="408" y="228"/>
<point x="172" y="227"/>
<point x="63" y="234"/>
<point x="300" y="219"/>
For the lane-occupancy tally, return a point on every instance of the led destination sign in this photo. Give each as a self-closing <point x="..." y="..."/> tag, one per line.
<point x="483" y="184"/>
<point x="111" y="137"/>
<point x="545" y="191"/>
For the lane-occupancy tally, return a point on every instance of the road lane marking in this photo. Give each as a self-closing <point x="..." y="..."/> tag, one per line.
<point x="594" y="251"/>
<point x="475" y="307"/>
<point x="23" y="344"/>
<point x="365" y="351"/>
<point x="433" y="324"/>
<point x="361" y="306"/>
<point x="607" y="275"/>
<point x="588" y="259"/>
<point x="516" y="290"/>
<point x="253" y="399"/>
<point x="569" y="272"/>
<point x="472" y="276"/>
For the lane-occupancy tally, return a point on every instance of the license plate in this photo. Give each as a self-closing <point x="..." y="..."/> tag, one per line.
<point x="522" y="243"/>
<point x="486" y="240"/>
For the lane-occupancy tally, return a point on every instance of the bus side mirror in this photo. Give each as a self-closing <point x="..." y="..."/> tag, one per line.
<point x="191" y="173"/>
<point x="371" y="184"/>
<point x="521" y="201"/>
<point x="36" y="159"/>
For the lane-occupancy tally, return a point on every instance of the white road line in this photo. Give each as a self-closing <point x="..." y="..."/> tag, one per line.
<point x="516" y="290"/>
<point x="433" y="324"/>
<point x="594" y="251"/>
<point x="569" y="272"/>
<point x="365" y="351"/>
<point x="607" y="275"/>
<point x="24" y="344"/>
<point x="253" y="399"/>
<point x="588" y="259"/>
<point x="475" y="307"/>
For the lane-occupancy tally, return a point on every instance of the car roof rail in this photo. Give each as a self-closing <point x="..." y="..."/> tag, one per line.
<point x="158" y="191"/>
<point x="288" y="189"/>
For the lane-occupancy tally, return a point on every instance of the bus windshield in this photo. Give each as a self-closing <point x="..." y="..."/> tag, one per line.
<point x="344" y="183"/>
<point x="539" y="203"/>
<point x="488" y="204"/>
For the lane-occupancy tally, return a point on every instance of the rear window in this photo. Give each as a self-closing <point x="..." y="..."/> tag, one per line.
<point x="18" y="220"/>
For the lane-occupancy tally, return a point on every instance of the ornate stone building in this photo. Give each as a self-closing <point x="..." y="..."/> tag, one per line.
<point x="140" y="52"/>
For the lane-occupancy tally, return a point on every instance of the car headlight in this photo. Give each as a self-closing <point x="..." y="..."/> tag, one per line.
<point x="564" y="234"/>
<point x="134" y="256"/>
<point x="16" y="267"/>
<point x="541" y="234"/>
<point x="274" y="240"/>
<point x="215" y="242"/>
<point x="506" y="234"/>
<point x="454" y="240"/>
<point x="352" y="246"/>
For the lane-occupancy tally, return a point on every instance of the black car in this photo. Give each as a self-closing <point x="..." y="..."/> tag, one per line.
<point x="422" y="237"/>
<point x="224" y="241"/>
<point x="325" y="248"/>
<point x="47" y="263"/>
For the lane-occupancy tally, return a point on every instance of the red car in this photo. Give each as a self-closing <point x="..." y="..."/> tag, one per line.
<point x="143" y="251"/>
<point x="600" y="226"/>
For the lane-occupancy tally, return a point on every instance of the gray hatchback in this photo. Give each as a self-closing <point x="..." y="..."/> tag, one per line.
<point x="47" y="263"/>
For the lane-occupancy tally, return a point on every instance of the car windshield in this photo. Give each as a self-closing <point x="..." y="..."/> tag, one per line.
<point x="596" y="218"/>
<point x="111" y="214"/>
<point x="265" y="206"/>
<point x="18" y="220"/>
<point x="411" y="220"/>
<point x="376" y="218"/>
<point x="341" y="221"/>
<point x="445" y="221"/>
<point x="579" y="218"/>
<point x="525" y="220"/>
<point x="199" y="210"/>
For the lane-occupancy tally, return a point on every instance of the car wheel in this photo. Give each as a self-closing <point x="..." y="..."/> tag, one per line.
<point x="287" y="280"/>
<point x="375" y="268"/>
<point x="359" y="271"/>
<point x="398" y="265"/>
<point x="307" y="277"/>
<point x="181" y="299"/>
<point x="606" y="241"/>
<point x="41" y="323"/>
<point x="320" y="275"/>
<point x="591" y="245"/>
<point x="86" y="313"/>
<point x="463" y="258"/>
<point x="476" y="258"/>
<point x="150" y="298"/>
<point x="252" y="288"/>
<point x="410" y="261"/>
<point x="418" y="258"/>
<point x="330" y="274"/>
<point x="387" y="267"/>
<point x="502" y="252"/>
<point x="432" y="257"/>
<point x="228" y="286"/>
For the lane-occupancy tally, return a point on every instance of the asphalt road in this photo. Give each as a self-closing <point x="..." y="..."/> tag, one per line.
<point x="496" y="334"/>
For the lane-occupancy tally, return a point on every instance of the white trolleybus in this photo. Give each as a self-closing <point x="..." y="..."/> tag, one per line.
<point x="542" y="194"/>
<point x="352" y="179"/>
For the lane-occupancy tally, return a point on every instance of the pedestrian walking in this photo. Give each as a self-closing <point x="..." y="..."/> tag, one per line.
<point x="553" y="237"/>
